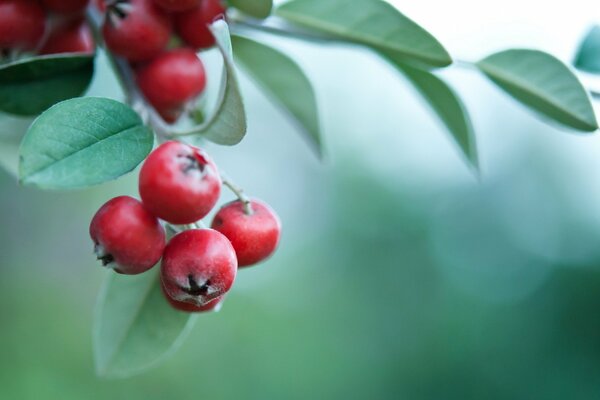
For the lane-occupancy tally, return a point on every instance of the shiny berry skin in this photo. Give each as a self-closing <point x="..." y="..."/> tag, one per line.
<point x="177" y="5"/>
<point x="75" y="37"/>
<point x="22" y="24"/>
<point x="127" y="238"/>
<point x="179" y="183"/>
<point x="136" y="29"/>
<point x="213" y="305"/>
<point x="198" y="266"/>
<point x="65" y="6"/>
<point x="172" y="79"/>
<point x="254" y="236"/>
<point x="192" y="26"/>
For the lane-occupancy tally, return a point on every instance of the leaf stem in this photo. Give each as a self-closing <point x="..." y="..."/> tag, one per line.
<point x="278" y="26"/>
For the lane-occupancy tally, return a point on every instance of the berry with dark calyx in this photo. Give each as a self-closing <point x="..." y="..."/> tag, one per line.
<point x="253" y="229"/>
<point x="179" y="183"/>
<point x="192" y="25"/>
<point x="75" y="37"/>
<point x="127" y="238"/>
<point x="136" y="29"/>
<point x="177" y="5"/>
<point x="22" y="24"/>
<point x="65" y="6"/>
<point x="172" y="79"/>
<point x="213" y="305"/>
<point x="198" y="266"/>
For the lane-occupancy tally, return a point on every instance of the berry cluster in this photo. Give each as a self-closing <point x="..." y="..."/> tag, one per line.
<point x="44" y="27"/>
<point x="180" y="184"/>
<point x="143" y="32"/>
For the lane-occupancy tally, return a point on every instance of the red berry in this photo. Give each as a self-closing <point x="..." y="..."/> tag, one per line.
<point x="75" y="37"/>
<point x="100" y="5"/>
<point x="198" y="266"/>
<point x="192" y="26"/>
<point x="172" y="79"/>
<point x="177" y="5"/>
<point x="136" y="29"/>
<point x="213" y="305"/>
<point x="127" y="238"/>
<point x="179" y="183"/>
<point x="254" y="236"/>
<point x="65" y="6"/>
<point x="22" y="24"/>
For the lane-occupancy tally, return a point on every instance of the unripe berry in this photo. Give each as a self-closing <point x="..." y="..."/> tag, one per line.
<point x="254" y="235"/>
<point x="136" y="29"/>
<point x="127" y="238"/>
<point x="177" y="5"/>
<point x="65" y="6"/>
<point x="192" y="25"/>
<point x="179" y="183"/>
<point x="75" y="37"/>
<point x="172" y="79"/>
<point x="213" y="305"/>
<point x="22" y="24"/>
<point x="198" y="266"/>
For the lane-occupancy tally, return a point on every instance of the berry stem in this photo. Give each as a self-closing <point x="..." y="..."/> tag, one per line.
<point x="239" y="192"/>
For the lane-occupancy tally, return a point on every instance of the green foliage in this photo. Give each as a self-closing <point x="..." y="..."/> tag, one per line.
<point x="543" y="83"/>
<point x="227" y="125"/>
<point x="283" y="80"/>
<point x="29" y="86"/>
<point x="254" y="8"/>
<point x="448" y="107"/>
<point x="134" y="325"/>
<point x="588" y="55"/>
<point x="373" y="23"/>
<point x="83" y="142"/>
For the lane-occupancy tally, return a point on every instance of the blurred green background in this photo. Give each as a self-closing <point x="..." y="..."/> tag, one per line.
<point x="400" y="273"/>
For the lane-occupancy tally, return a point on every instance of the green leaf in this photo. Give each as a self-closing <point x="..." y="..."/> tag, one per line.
<point x="373" y="23"/>
<point x="588" y="55"/>
<point x="283" y="80"/>
<point x="543" y="83"/>
<point x="227" y="124"/>
<point x="83" y="142"/>
<point x="449" y="108"/>
<point x="134" y="326"/>
<point x="30" y="86"/>
<point x="254" y="8"/>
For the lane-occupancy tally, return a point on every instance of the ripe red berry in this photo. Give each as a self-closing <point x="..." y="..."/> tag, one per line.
<point x="179" y="183"/>
<point x="213" y="305"/>
<point x="136" y="29"/>
<point x="172" y="79"/>
<point x="76" y="37"/>
<point x="65" y="6"/>
<point x="192" y="26"/>
<point x="198" y="266"/>
<point x="22" y="24"/>
<point x="177" y="5"/>
<point x="254" y="236"/>
<point x="127" y="238"/>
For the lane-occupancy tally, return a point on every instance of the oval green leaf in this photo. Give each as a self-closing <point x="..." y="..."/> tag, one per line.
<point x="227" y="124"/>
<point x="30" y="86"/>
<point x="588" y="55"/>
<point x="279" y="76"/>
<point x="254" y="8"/>
<point x="373" y="23"/>
<point x="134" y="326"/>
<point x="83" y="142"/>
<point x="449" y="108"/>
<point x="542" y="83"/>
